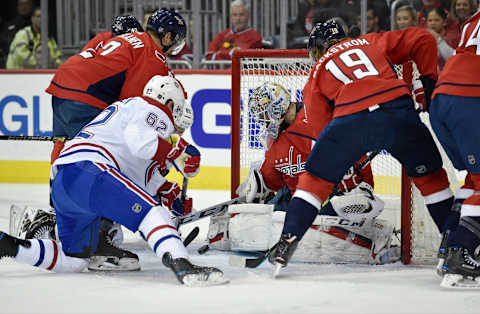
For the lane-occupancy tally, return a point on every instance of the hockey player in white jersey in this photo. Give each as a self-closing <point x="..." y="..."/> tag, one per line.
<point x="109" y="170"/>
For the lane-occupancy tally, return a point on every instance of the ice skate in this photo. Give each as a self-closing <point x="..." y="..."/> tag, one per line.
<point x="108" y="257"/>
<point x="42" y="226"/>
<point x="193" y="275"/>
<point x="283" y="252"/>
<point x="442" y="254"/>
<point x="9" y="245"/>
<point x="461" y="271"/>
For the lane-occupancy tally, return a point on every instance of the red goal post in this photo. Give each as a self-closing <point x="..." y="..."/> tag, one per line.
<point x="404" y="204"/>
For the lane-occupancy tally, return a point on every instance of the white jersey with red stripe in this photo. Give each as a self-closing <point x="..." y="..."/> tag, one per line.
<point x="126" y="135"/>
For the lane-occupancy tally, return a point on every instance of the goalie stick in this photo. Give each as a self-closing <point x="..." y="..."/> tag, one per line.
<point x="209" y="211"/>
<point x="255" y="262"/>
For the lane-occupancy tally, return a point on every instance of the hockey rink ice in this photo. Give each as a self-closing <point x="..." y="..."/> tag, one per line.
<point x="300" y="288"/>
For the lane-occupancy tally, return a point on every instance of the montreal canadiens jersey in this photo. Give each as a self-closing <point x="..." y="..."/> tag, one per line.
<point x="459" y="77"/>
<point x="286" y="158"/>
<point x="118" y="70"/>
<point x="357" y="73"/>
<point x="130" y="135"/>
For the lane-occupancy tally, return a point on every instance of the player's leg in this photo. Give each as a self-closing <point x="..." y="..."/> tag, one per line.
<point x="137" y="210"/>
<point x="415" y="148"/>
<point x="458" y="116"/>
<point x="343" y="139"/>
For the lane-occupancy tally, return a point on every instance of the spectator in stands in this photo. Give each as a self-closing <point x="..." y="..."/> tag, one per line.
<point x="405" y="16"/>
<point x="304" y="19"/>
<point x="461" y="10"/>
<point x="11" y="27"/>
<point x="372" y="21"/>
<point x="429" y="5"/>
<point x="239" y="36"/>
<point x="447" y="39"/>
<point x="25" y="49"/>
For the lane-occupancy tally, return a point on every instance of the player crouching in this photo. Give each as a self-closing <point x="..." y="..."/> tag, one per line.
<point x="110" y="169"/>
<point x="347" y="230"/>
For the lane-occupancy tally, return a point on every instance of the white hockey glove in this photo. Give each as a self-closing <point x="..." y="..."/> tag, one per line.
<point x="358" y="204"/>
<point x="254" y="189"/>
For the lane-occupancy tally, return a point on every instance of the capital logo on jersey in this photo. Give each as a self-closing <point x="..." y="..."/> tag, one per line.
<point x="289" y="168"/>
<point x="137" y="208"/>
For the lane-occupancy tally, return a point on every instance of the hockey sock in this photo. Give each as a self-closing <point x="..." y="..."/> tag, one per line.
<point x="467" y="234"/>
<point x="158" y="229"/>
<point x="300" y="216"/>
<point x="442" y="214"/>
<point x="328" y="210"/>
<point x="48" y="254"/>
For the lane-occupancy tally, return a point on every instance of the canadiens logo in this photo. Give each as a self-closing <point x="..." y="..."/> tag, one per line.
<point x="289" y="168"/>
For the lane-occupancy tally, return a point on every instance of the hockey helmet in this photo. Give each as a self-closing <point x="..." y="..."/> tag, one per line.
<point x="125" y="24"/>
<point x="165" y="88"/>
<point x="164" y="21"/>
<point x="268" y="104"/>
<point x="322" y="34"/>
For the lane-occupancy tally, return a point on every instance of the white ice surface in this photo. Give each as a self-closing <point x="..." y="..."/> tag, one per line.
<point x="300" y="288"/>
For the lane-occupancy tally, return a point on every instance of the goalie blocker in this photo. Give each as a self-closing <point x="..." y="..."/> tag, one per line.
<point x="331" y="239"/>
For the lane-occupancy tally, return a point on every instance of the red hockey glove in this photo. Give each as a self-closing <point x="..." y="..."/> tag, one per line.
<point x="177" y="150"/>
<point x="168" y="193"/>
<point x="419" y="95"/>
<point x="192" y="164"/>
<point x="178" y="209"/>
<point x="350" y="180"/>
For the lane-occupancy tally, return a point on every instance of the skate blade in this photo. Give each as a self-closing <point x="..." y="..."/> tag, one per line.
<point x="439" y="270"/>
<point x="237" y="261"/>
<point x="454" y="281"/>
<point x="213" y="279"/>
<point x="276" y="270"/>
<point x="101" y="263"/>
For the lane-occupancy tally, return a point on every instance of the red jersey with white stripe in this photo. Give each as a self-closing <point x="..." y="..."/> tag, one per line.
<point x="459" y="77"/>
<point x="286" y="158"/>
<point x="223" y="45"/>
<point x="357" y="73"/>
<point x="129" y="135"/>
<point x="98" y="41"/>
<point x="118" y="70"/>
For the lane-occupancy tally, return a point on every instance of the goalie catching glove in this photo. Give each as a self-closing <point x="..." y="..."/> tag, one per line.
<point x="185" y="157"/>
<point x="254" y="189"/>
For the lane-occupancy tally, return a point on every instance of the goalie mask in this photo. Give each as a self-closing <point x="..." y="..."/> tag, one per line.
<point x="268" y="105"/>
<point x="165" y="88"/>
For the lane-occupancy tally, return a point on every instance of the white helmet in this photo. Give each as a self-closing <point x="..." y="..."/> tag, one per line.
<point x="165" y="88"/>
<point x="268" y="104"/>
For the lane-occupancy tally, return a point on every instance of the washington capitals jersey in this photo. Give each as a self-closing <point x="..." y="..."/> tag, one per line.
<point x="286" y="158"/>
<point x="98" y="41"/>
<point x="356" y="74"/>
<point x="130" y="135"/>
<point x="118" y="70"/>
<point x="459" y="77"/>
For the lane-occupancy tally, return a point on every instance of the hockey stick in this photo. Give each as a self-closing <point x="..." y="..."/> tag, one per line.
<point x="32" y="138"/>
<point x="255" y="262"/>
<point x="209" y="211"/>
<point x="191" y="236"/>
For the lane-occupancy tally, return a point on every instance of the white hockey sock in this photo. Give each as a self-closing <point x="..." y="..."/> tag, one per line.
<point x="158" y="229"/>
<point x="48" y="254"/>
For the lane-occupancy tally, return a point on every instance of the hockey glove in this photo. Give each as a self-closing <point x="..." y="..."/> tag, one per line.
<point x="168" y="193"/>
<point x="178" y="209"/>
<point x="350" y="180"/>
<point x="192" y="163"/>
<point x="428" y="85"/>
<point x="254" y="189"/>
<point x="419" y="95"/>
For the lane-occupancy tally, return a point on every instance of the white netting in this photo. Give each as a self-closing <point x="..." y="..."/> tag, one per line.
<point x="293" y="73"/>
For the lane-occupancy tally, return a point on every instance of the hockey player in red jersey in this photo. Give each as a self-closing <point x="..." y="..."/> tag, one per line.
<point x="454" y="117"/>
<point x="288" y="139"/>
<point x="371" y="110"/>
<point x="121" y="24"/>
<point x="105" y="171"/>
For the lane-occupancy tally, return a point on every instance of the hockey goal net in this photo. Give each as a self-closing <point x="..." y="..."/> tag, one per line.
<point x="404" y="205"/>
